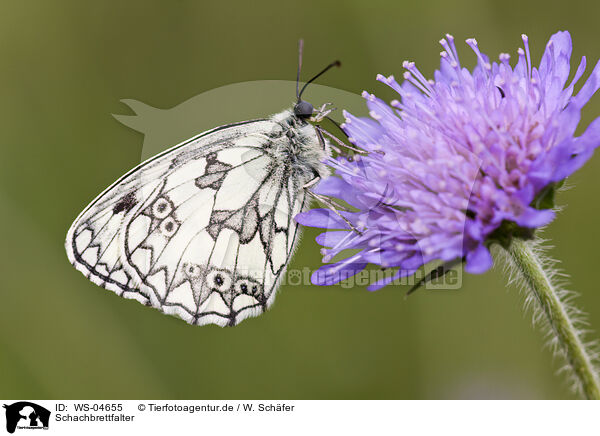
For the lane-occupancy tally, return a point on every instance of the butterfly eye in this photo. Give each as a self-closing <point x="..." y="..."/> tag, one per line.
<point x="303" y="109"/>
<point x="162" y="208"/>
<point x="218" y="280"/>
<point x="168" y="226"/>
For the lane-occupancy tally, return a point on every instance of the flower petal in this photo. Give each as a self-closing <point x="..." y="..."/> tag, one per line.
<point x="323" y="218"/>
<point x="589" y="88"/>
<point x="478" y="260"/>
<point x="533" y="218"/>
<point x="334" y="273"/>
<point x="339" y="188"/>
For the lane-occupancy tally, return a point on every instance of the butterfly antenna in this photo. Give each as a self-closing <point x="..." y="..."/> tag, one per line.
<point x="300" y="50"/>
<point x="327" y="68"/>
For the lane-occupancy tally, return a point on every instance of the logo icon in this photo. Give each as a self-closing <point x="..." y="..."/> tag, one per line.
<point x="26" y="415"/>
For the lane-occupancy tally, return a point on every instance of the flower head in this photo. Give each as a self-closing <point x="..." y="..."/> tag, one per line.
<point x="461" y="161"/>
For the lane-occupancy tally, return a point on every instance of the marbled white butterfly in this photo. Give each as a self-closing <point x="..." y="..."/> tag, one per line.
<point x="205" y="230"/>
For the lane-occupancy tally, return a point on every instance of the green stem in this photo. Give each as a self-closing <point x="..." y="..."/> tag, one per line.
<point x="540" y="286"/>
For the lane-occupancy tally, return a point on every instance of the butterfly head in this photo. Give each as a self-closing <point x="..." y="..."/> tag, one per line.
<point x="303" y="109"/>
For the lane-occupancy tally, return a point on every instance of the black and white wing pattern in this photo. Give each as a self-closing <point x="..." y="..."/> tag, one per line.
<point x="203" y="231"/>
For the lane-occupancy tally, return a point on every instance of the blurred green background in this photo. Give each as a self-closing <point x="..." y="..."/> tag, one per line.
<point x="64" y="66"/>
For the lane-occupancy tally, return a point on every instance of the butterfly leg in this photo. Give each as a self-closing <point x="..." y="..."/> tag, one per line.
<point x="328" y="203"/>
<point x="313" y="182"/>
<point x="322" y="140"/>
<point x="339" y="142"/>
<point x="321" y="113"/>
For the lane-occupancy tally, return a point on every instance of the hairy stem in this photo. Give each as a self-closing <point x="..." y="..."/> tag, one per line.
<point x="554" y="309"/>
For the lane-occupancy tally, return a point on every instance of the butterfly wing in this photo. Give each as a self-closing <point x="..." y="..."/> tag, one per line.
<point x="203" y="231"/>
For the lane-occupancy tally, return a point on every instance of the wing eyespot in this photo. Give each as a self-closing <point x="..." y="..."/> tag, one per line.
<point x="247" y="286"/>
<point x="161" y="208"/>
<point x="193" y="271"/>
<point x="219" y="280"/>
<point x="168" y="226"/>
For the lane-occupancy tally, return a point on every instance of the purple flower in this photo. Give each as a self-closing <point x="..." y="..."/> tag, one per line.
<point x="457" y="163"/>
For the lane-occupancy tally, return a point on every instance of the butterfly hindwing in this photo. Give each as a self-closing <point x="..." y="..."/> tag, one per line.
<point x="203" y="231"/>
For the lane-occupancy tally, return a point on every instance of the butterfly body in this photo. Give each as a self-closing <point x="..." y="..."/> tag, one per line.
<point x="204" y="230"/>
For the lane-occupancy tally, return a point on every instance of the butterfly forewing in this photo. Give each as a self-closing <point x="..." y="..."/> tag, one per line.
<point x="203" y="231"/>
